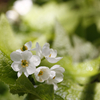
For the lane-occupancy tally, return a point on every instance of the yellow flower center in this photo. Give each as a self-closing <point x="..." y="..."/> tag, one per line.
<point x="40" y="73"/>
<point x="24" y="48"/>
<point x="24" y="63"/>
<point x="50" y="55"/>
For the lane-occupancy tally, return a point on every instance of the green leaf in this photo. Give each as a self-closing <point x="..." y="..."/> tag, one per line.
<point x="7" y="75"/>
<point x="73" y="45"/>
<point x="68" y="90"/>
<point x="61" y="40"/>
<point x="81" y="72"/>
<point x="23" y="86"/>
<point x="8" y="42"/>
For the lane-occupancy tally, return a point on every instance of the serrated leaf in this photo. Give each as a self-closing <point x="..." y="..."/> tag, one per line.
<point x="7" y="75"/>
<point x="73" y="45"/>
<point x="23" y="86"/>
<point x="81" y="72"/>
<point x="61" y="40"/>
<point x="68" y="90"/>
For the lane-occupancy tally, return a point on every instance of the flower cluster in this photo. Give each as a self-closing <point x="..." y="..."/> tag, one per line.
<point x="25" y="62"/>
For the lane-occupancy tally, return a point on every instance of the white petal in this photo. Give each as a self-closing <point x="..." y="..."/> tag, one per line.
<point x="38" y="50"/>
<point x="53" y="60"/>
<point x="57" y="68"/>
<point x="46" y="49"/>
<point x="26" y="74"/>
<point x="52" y="74"/>
<point x="29" y="45"/>
<point x="15" y="56"/>
<point x="35" y="86"/>
<point x="19" y="51"/>
<point x="53" y="53"/>
<point x="19" y="74"/>
<point x="38" y="46"/>
<point x="16" y="66"/>
<point x="35" y="60"/>
<point x="26" y="55"/>
<point x="40" y="79"/>
<point x="58" y="78"/>
<point x="46" y="45"/>
<point x="30" y="69"/>
<point x="46" y="73"/>
<point x="55" y="86"/>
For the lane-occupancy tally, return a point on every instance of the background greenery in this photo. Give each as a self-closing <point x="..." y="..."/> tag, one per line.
<point x="72" y="27"/>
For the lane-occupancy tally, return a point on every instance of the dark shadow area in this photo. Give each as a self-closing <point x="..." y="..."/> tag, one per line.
<point x="89" y="89"/>
<point x="89" y="33"/>
<point x="92" y="33"/>
<point x="88" y="92"/>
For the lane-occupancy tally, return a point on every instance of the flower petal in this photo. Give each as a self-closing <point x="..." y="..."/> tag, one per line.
<point x="26" y="74"/>
<point x="46" y="73"/>
<point x="36" y="75"/>
<point x="30" y="69"/>
<point x="38" y="50"/>
<point x="16" y="66"/>
<point x="29" y="45"/>
<point x="15" y="56"/>
<point x="19" y="74"/>
<point x="40" y="79"/>
<point x="26" y="55"/>
<point x="44" y="76"/>
<point x="46" y="49"/>
<point x="53" y="53"/>
<point x="52" y="74"/>
<point x="58" y="78"/>
<point x="58" y="69"/>
<point x="19" y="51"/>
<point x="53" y="60"/>
<point x="55" y="86"/>
<point x="35" y="60"/>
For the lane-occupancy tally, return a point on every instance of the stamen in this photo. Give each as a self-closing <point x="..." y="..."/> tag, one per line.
<point x="40" y="73"/>
<point x="50" y="55"/>
<point x="24" y="48"/>
<point x="54" y="77"/>
<point x="24" y="63"/>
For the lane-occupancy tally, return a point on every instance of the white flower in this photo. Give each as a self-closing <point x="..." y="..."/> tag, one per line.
<point x="24" y="62"/>
<point x="38" y="50"/>
<point x="48" y="53"/>
<point x="25" y="47"/>
<point x="42" y="73"/>
<point x="56" y="75"/>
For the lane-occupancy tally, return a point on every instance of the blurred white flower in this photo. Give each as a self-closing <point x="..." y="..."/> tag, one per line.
<point x="25" y="47"/>
<point x="56" y="75"/>
<point x="12" y="15"/>
<point x="24" y="62"/>
<point x="48" y="53"/>
<point x="42" y="73"/>
<point x="23" y="6"/>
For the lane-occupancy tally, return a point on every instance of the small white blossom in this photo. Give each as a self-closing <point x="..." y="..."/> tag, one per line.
<point x="24" y="62"/>
<point x="26" y="47"/>
<point x="42" y="73"/>
<point x="56" y="75"/>
<point x="38" y="50"/>
<point x="49" y="54"/>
